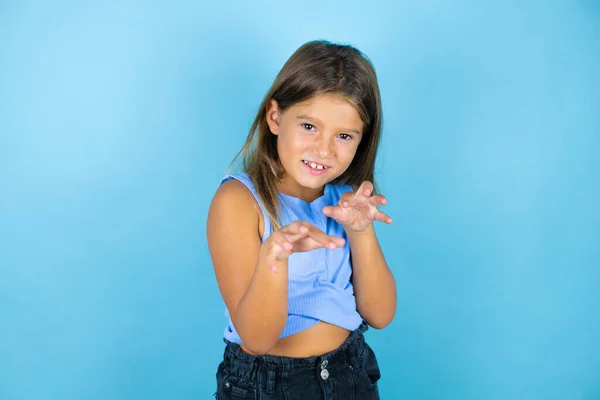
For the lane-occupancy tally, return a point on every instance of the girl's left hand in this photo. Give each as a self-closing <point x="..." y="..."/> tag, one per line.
<point x="356" y="211"/>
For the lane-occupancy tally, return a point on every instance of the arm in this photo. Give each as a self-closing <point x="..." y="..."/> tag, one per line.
<point x="255" y="297"/>
<point x="374" y="284"/>
<point x="253" y="277"/>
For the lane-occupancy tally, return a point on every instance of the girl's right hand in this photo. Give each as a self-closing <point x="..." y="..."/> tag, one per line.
<point x="299" y="236"/>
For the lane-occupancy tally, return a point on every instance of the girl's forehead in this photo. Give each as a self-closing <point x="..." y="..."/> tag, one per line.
<point x="328" y="107"/>
<point x="330" y="99"/>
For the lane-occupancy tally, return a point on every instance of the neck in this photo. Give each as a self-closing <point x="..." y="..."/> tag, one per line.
<point x="293" y="189"/>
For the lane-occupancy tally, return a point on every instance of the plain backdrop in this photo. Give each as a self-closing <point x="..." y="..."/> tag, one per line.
<point x="118" y="120"/>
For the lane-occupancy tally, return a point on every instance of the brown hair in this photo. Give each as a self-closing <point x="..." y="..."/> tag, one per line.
<point x="317" y="67"/>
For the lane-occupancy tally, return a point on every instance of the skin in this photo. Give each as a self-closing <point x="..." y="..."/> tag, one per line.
<point x="253" y="280"/>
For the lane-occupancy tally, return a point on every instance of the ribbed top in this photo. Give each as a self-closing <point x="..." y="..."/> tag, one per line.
<point x="319" y="287"/>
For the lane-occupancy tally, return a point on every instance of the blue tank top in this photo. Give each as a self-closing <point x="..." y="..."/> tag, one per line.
<point x="319" y="286"/>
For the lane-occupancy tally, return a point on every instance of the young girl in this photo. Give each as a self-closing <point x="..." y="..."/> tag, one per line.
<point x="292" y="241"/>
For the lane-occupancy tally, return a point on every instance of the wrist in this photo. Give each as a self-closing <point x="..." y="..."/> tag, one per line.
<point x="359" y="233"/>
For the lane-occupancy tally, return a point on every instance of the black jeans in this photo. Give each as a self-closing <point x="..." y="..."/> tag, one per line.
<point x="349" y="372"/>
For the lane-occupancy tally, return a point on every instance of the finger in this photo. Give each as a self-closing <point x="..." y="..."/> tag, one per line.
<point x="380" y="216"/>
<point x="365" y="189"/>
<point x="299" y="230"/>
<point x="272" y="263"/>
<point x="346" y="199"/>
<point x="322" y="238"/>
<point x="296" y="230"/>
<point x="279" y="251"/>
<point x="334" y="212"/>
<point x="328" y="241"/>
<point x="378" y="200"/>
<point x="282" y="244"/>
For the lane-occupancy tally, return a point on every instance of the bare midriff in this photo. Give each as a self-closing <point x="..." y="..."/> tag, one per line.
<point x="317" y="340"/>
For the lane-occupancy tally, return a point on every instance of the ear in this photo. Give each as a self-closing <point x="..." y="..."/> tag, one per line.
<point x="273" y="115"/>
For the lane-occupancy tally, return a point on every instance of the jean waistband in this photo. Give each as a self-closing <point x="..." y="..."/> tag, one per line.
<point x="354" y="342"/>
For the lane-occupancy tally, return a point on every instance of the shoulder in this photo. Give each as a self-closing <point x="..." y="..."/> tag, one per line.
<point x="233" y="187"/>
<point x="235" y="206"/>
<point x="236" y="196"/>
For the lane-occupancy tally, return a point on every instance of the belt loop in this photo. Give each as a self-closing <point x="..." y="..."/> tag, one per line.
<point x="271" y="377"/>
<point x="354" y="356"/>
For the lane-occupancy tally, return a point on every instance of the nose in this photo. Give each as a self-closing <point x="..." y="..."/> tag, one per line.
<point x="324" y="147"/>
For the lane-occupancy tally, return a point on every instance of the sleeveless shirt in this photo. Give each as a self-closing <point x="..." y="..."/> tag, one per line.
<point x="319" y="286"/>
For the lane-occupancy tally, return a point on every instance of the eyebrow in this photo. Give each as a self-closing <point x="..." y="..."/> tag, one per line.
<point x="317" y="121"/>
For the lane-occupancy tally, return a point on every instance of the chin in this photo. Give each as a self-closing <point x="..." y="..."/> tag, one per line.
<point x="313" y="183"/>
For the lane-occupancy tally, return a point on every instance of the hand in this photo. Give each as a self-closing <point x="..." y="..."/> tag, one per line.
<point x="356" y="211"/>
<point x="299" y="236"/>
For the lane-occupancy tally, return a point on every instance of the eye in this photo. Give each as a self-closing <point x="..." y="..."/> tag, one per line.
<point x="345" y="136"/>
<point x="308" y="126"/>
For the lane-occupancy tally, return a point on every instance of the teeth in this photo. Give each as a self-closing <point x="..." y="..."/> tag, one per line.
<point x="313" y="165"/>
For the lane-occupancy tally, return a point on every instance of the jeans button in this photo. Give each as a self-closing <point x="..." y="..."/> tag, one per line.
<point x="227" y="385"/>
<point x="324" y="374"/>
<point x="324" y="364"/>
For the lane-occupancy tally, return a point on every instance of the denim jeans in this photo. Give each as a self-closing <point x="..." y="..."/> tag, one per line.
<point x="349" y="372"/>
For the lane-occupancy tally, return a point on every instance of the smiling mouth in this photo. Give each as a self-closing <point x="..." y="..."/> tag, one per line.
<point x="315" y="166"/>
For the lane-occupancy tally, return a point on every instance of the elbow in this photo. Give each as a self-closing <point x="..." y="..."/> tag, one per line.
<point x="379" y="323"/>
<point x="258" y="349"/>
<point x="381" y="320"/>
<point x="258" y="340"/>
<point x="258" y="346"/>
<point x="258" y="337"/>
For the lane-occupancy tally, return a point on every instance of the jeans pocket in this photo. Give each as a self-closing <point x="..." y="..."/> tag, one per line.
<point x="370" y="368"/>
<point x="231" y="387"/>
<point x="369" y="379"/>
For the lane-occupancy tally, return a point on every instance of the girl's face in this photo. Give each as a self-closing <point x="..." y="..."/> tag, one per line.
<point x="317" y="140"/>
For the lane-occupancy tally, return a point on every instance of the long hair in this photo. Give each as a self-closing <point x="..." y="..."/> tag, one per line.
<point x="317" y="67"/>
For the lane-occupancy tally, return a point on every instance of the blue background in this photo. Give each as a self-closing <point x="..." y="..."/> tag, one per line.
<point x="117" y="121"/>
